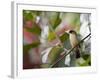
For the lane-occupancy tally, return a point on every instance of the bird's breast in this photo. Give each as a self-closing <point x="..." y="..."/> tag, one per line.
<point x="73" y="40"/>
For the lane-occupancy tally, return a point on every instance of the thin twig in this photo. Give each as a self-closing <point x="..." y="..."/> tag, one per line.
<point x="52" y="65"/>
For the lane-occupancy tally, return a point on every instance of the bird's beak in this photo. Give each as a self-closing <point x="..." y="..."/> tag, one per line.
<point x="67" y="31"/>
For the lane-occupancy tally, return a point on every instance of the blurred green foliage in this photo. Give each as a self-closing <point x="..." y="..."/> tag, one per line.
<point x="51" y="36"/>
<point x="27" y="47"/>
<point x="35" y="30"/>
<point x="54" y="54"/>
<point x="54" y="20"/>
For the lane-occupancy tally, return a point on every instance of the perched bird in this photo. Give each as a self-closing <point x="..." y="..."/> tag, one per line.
<point x="74" y="41"/>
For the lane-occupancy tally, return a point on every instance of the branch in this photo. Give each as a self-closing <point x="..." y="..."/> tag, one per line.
<point x="52" y="65"/>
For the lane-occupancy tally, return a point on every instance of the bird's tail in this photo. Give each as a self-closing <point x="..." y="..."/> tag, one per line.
<point x="77" y="53"/>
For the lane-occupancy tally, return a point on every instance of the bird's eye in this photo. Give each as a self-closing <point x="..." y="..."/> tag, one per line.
<point x="70" y="31"/>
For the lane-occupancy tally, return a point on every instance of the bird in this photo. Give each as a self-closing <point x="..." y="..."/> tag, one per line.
<point x="73" y="38"/>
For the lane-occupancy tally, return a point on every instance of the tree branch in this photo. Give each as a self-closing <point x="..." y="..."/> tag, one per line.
<point x="52" y="65"/>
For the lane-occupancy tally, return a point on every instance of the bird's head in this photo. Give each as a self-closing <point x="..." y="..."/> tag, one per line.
<point x="70" y="32"/>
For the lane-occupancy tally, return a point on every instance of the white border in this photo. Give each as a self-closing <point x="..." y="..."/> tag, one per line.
<point x="17" y="68"/>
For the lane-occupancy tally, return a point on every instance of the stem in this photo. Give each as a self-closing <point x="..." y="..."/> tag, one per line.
<point x="52" y="65"/>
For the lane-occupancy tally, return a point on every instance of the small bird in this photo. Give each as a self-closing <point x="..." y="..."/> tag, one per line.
<point x="74" y="41"/>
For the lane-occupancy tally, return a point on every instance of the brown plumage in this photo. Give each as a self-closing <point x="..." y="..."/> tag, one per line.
<point x="74" y="41"/>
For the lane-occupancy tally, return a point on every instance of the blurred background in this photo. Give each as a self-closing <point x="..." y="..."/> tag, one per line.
<point x="45" y="40"/>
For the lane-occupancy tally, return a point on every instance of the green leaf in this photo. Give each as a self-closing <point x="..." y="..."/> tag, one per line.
<point x="27" y="47"/>
<point x="80" y="61"/>
<point x="51" y="36"/>
<point x="54" y="18"/>
<point x="54" y="54"/>
<point x="35" y="29"/>
<point x="57" y="21"/>
<point x="86" y="62"/>
<point x="29" y="15"/>
<point x="64" y="37"/>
